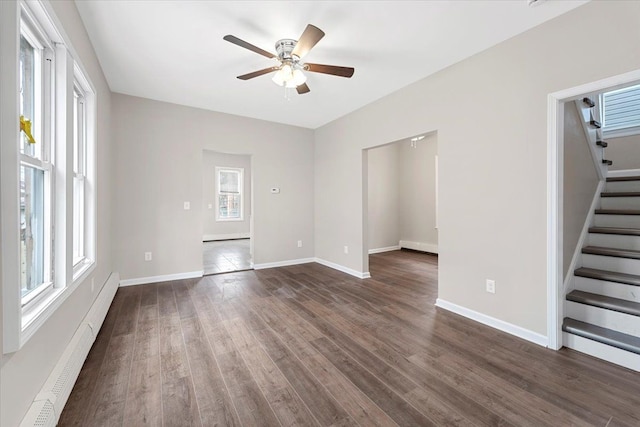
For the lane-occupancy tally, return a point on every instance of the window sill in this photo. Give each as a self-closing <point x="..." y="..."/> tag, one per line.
<point x="229" y="219"/>
<point x="34" y="317"/>
<point x="619" y="133"/>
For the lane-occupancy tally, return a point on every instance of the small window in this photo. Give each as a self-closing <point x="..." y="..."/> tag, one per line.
<point x="621" y="112"/>
<point x="229" y="198"/>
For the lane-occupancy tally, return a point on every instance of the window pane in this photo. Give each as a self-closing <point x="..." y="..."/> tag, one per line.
<point x="229" y="206"/>
<point x="229" y="182"/>
<point x="31" y="228"/>
<point x="76" y="133"/>
<point x="78" y="219"/>
<point x="27" y="91"/>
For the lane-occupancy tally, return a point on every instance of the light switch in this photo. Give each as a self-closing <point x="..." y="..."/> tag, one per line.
<point x="187" y="206"/>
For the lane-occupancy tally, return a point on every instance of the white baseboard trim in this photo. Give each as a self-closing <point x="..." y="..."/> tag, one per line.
<point x="419" y="246"/>
<point x="282" y="263"/>
<point x="381" y="250"/>
<point x="209" y="237"/>
<point x="623" y="172"/>
<point x="602" y="351"/>
<point x="162" y="278"/>
<point x="509" y="328"/>
<point x="48" y="404"/>
<point x="359" y="275"/>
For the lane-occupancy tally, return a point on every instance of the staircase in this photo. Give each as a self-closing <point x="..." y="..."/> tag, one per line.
<point x="602" y="308"/>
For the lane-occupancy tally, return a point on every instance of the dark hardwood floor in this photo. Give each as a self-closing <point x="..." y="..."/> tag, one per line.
<point x="307" y="345"/>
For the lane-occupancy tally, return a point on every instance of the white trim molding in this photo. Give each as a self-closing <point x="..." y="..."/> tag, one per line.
<point x="162" y="278"/>
<point x="419" y="246"/>
<point x="231" y="236"/>
<point x="358" y="274"/>
<point x="282" y="263"/>
<point x="386" y="249"/>
<point x="501" y="325"/>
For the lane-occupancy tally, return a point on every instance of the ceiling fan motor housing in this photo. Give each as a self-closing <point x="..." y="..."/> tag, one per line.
<point x="284" y="48"/>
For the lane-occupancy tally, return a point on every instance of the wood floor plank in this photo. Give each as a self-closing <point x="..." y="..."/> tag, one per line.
<point x="308" y="345"/>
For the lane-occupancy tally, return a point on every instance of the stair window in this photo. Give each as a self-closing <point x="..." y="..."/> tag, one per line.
<point x="621" y="112"/>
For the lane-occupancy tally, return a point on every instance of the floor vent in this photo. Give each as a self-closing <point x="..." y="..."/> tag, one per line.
<point x="48" y="404"/>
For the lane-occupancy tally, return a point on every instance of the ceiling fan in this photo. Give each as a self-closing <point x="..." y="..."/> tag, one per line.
<point x="290" y="53"/>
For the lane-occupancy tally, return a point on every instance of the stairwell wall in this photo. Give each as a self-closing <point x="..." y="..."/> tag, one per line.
<point x="490" y="112"/>
<point x="580" y="182"/>
<point x="624" y="152"/>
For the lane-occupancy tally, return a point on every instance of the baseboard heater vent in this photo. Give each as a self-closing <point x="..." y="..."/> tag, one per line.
<point x="48" y="404"/>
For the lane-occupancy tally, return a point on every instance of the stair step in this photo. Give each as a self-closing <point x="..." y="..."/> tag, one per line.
<point x="623" y="178"/>
<point x="596" y="124"/>
<point x="615" y="230"/>
<point x="602" y="335"/>
<point x="588" y="102"/>
<point x="610" y="276"/>
<point x="608" y="303"/>
<point x="619" y="253"/>
<point x="602" y="144"/>
<point x="620" y="194"/>
<point x="607" y="162"/>
<point x="617" y="212"/>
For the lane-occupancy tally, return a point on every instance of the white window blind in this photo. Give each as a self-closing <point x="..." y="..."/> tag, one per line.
<point x="621" y="111"/>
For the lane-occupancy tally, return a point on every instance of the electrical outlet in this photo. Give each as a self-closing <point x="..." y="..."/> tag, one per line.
<point x="210" y="206"/>
<point x="147" y="256"/>
<point x="491" y="286"/>
<point x="346" y="249"/>
<point x="187" y="206"/>
<point x="299" y="243"/>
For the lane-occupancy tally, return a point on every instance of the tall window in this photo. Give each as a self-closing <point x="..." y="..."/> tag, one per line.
<point x="79" y="174"/>
<point x="229" y="197"/>
<point x="35" y="164"/>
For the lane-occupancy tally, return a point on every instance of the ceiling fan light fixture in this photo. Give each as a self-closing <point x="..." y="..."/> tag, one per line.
<point x="289" y="77"/>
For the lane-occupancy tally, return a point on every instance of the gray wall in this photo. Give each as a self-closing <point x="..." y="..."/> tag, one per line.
<point x="580" y="182"/>
<point x="159" y="166"/>
<point x="24" y="371"/>
<point x="624" y="151"/>
<point x="418" y="193"/>
<point x="383" y="196"/>
<point x="490" y="112"/>
<point x="211" y="227"/>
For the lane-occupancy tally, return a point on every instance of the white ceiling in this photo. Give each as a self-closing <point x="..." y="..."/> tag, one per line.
<point x="173" y="51"/>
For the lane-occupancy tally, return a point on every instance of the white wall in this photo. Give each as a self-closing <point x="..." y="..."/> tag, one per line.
<point x="159" y="166"/>
<point x="24" y="372"/>
<point x="490" y="112"/>
<point x="580" y="182"/>
<point x="624" y="152"/>
<point x="383" y="196"/>
<point x="417" y="188"/>
<point x="217" y="230"/>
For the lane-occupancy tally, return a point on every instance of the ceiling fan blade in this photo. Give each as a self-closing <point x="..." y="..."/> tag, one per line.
<point x="329" y="69"/>
<point x="303" y="88"/>
<point x="244" y="44"/>
<point x="308" y="40"/>
<point x="257" y="73"/>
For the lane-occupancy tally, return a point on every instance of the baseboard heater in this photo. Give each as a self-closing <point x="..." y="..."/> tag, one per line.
<point x="47" y="406"/>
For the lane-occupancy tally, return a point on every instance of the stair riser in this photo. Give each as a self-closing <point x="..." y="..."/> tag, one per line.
<point x="620" y="265"/>
<point x="617" y="241"/>
<point x="602" y="351"/>
<point x="609" y="289"/>
<point x="625" y="221"/>
<point x="623" y="186"/>
<point x="621" y="322"/>
<point x="620" y="202"/>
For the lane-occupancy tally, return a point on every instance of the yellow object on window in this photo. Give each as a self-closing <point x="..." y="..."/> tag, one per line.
<point x="25" y="126"/>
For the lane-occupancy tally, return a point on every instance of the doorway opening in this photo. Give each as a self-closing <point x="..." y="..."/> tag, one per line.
<point x="227" y="226"/>
<point x="400" y="196"/>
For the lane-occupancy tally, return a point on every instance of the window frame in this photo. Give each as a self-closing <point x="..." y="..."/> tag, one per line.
<point x="42" y="121"/>
<point x="240" y="172"/>
<point x="618" y="132"/>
